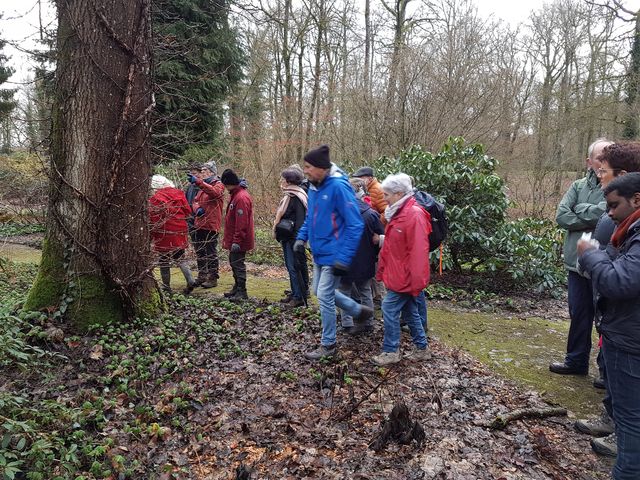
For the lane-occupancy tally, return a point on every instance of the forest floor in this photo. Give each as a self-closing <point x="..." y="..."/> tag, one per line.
<point x="220" y="390"/>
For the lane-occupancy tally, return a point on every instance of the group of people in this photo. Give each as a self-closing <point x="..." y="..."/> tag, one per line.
<point x="368" y="240"/>
<point x="176" y="216"/>
<point x="601" y="213"/>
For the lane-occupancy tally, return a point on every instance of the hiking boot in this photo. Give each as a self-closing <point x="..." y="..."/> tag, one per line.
<point x="286" y="299"/>
<point x="211" y="282"/>
<point x="607" y="446"/>
<point x="386" y="358"/>
<point x="561" y="368"/>
<point x="418" y="354"/>
<point x="295" y="302"/>
<point x="323" y="351"/>
<point x="358" y="330"/>
<point x="345" y="330"/>
<point x="240" y="295"/>
<point x="598" y="382"/>
<point x="231" y="292"/>
<point x="597" y="427"/>
<point x="189" y="288"/>
<point x="199" y="281"/>
<point x="366" y="313"/>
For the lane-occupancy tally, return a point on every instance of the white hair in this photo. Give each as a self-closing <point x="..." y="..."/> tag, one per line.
<point x="158" y="182"/>
<point x="593" y="146"/>
<point x="399" y="183"/>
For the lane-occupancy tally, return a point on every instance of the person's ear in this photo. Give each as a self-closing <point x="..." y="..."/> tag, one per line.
<point x="635" y="201"/>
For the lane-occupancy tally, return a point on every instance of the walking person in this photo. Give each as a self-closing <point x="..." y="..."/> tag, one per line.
<point x="357" y="282"/>
<point x="578" y="213"/>
<point x="332" y="227"/>
<point x="207" y="208"/>
<point x="238" y="232"/>
<point x="290" y="216"/>
<point x="168" y="214"/>
<point x="615" y="273"/>
<point x="404" y="268"/>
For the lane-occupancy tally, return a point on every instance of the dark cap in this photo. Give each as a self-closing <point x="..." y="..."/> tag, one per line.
<point x="363" y="172"/>
<point x="319" y="157"/>
<point x="229" y="177"/>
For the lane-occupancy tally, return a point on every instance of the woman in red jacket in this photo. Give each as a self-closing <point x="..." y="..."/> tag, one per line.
<point x="168" y="214"/>
<point x="403" y="266"/>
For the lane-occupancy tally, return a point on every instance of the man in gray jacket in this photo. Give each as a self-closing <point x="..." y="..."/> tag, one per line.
<point x="578" y="212"/>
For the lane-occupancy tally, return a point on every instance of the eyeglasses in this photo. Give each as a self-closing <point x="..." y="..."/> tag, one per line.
<point x="602" y="171"/>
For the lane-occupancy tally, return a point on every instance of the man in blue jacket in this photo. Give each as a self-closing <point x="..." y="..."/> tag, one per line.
<point x="333" y="228"/>
<point x="615" y="273"/>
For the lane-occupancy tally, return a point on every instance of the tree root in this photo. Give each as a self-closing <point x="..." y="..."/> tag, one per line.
<point x="501" y="421"/>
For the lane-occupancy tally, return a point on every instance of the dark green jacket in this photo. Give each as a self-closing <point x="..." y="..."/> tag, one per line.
<point x="578" y="212"/>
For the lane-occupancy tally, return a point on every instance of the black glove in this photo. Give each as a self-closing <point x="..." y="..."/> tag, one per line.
<point x="340" y="269"/>
<point x="298" y="246"/>
<point x="200" y="212"/>
<point x="235" y="248"/>
<point x="191" y="178"/>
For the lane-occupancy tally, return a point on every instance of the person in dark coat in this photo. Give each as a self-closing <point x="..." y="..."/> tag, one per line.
<point x="358" y="281"/>
<point x="238" y="232"/>
<point x="615" y="274"/>
<point x="290" y="216"/>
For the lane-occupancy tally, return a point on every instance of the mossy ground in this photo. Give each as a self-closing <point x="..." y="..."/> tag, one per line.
<point x="520" y="349"/>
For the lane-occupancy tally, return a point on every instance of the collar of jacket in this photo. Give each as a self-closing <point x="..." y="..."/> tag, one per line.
<point x="592" y="179"/>
<point x="334" y="172"/>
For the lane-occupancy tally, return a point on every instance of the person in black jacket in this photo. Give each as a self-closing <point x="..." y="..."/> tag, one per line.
<point x="357" y="283"/>
<point x="615" y="274"/>
<point x="290" y="216"/>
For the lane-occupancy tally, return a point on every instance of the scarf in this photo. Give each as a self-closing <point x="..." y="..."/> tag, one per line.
<point x="289" y="191"/>
<point x="393" y="209"/>
<point x="620" y="234"/>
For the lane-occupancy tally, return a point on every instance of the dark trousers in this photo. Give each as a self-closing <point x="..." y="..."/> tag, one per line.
<point x="205" y="243"/>
<point x="623" y="385"/>
<point x="239" y="270"/>
<point x="581" y="311"/>
<point x="296" y="263"/>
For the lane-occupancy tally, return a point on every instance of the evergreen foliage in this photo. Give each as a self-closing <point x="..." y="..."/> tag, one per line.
<point x="525" y="253"/>
<point x="7" y="103"/>
<point x="198" y="64"/>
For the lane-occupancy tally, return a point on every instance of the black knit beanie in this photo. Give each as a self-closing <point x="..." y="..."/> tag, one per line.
<point x="319" y="157"/>
<point x="229" y="177"/>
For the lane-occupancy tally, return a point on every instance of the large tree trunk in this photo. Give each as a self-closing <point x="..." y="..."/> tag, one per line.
<point x="96" y="258"/>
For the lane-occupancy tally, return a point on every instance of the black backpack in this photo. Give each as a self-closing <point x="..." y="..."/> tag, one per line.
<point x="439" y="223"/>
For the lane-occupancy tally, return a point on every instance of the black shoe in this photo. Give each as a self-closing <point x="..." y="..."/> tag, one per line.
<point x="598" y="382"/>
<point x="240" y="295"/>
<point x="231" y="292"/>
<point x="188" y="289"/>
<point x="358" y="330"/>
<point x="365" y="314"/>
<point x="562" y="368"/>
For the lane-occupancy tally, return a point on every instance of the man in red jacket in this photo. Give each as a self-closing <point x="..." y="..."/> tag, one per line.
<point x="238" y="232"/>
<point x="207" y="208"/>
<point x="403" y="267"/>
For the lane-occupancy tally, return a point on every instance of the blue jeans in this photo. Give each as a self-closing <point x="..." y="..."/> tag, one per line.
<point x="623" y="384"/>
<point x="293" y="267"/>
<point x="421" y="301"/>
<point x="325" y="285"/>
<point x="393" y="305"/>
<point x="362" y="290"/>
<point x="581" y="311"/>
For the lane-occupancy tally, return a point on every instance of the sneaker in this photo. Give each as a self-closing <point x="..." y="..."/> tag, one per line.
<point x="323" y="351"/>
<point x="418" y="354"/>
<point x="607" y="446"/>
<point x="598" y="427"/>
<point x="386" y="358"/>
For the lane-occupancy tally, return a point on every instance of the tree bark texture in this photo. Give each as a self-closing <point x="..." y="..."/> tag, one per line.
<point x="96" y="256"/>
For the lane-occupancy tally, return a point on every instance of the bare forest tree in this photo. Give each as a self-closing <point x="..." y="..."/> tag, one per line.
<point x="96" y="257"/>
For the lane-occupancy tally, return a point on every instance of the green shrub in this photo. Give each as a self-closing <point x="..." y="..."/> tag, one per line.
<point x="464" y="178"/>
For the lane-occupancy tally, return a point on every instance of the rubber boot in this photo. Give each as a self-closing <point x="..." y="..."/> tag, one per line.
<point x="231" y="293"/>
<point x="184" y="268"/>
<point x="165" y="275"/>
<point x="241" y="292"/>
